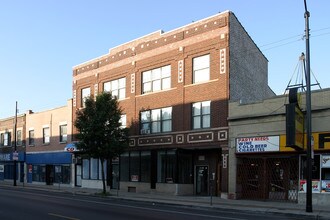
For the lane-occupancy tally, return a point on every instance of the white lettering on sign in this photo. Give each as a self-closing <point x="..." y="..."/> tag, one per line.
<point x="257" y="144"/>
<point x="4" y="157"/>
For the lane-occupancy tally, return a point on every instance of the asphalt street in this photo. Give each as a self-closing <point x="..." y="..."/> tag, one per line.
<point x="27" y="204"/>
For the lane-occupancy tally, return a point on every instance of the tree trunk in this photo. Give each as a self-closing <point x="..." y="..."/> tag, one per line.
<point x="103" y="176"/>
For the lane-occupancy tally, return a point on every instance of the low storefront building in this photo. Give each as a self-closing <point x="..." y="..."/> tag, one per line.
<point x="262" y="166"/>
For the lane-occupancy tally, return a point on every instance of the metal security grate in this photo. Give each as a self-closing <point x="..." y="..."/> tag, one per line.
<point x="268" y="178"/>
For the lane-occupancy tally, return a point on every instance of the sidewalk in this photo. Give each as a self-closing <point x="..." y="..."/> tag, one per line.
<point x="289" y="209"/>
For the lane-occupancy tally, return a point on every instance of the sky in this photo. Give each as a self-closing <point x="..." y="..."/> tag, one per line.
<point x="42" y="40"/>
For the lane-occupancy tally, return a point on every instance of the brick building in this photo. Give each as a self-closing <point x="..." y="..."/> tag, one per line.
<point x="174" y="89"/>
<point x="7" y="147"/>
<point x="47" y="135"/>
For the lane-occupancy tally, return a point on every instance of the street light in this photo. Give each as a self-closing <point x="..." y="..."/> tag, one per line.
<point x="309" y="206"/>
<point x="15" y="147"/>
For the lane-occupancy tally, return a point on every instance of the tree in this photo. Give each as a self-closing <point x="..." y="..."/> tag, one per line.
<point x="100" y="134"/>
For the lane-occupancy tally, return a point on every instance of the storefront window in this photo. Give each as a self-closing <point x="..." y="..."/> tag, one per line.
<point x="39" y="173"/>
<point x="166" y="167"/>
<point x="85" y="169"/>
<point x="185" y="168"/>
<point x="94" y="169"/>
<point x="104" y="168"/>
<point x="124" y="167"/>
<point x="145" y="166"/>
<point x="325" y="173"/>
<point x="316" y="174"/>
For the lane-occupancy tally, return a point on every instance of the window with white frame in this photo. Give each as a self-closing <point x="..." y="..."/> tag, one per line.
<point x="156" y="120"/>
<point x="63" y="133"/>
<point x="46" y="135"/>
<point x="201" y="68"/>
<point x="85" y="93"/>
<point x="31" y="137"/>
<point x="201" y="114"/>
<point x="5" y="139"/>
<point x="122" y="121"/>
<point x="19" y="138"/>
<point x="156" y="79"/>
<point x="116" y="87"/>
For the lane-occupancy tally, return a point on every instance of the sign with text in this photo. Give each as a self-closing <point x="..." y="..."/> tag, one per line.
<point x="315" y="186"/>
<point x="258" y="144"/>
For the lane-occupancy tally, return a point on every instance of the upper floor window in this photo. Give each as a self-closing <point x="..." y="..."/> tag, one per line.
<point x="31" y="137"/>
<point x="156" y="120"/>
<point x="201" y="114"/>
<point x="46" y="135"/>
<point x="85" y="93"/>
<point x="19" y="138"/>
<point x="156" y="79"/>
<point x="201" y="68"/>
<point x="63" y="133"/>
<point x="5" y="139"/>
<point x="116" y="87"/>
<point x="122" y="121"/>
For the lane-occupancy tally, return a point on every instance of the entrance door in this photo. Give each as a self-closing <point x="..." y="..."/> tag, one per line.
<point x="78" y="175"/>
<point x="49" y="174"/>
<point x="202" y="180"/>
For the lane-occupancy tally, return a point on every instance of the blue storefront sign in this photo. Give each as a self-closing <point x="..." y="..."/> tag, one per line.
<point x="48" y="162"/>
<point x="7" y="164"/>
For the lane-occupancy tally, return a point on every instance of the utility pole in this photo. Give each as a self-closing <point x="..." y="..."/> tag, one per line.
<point x="309" y="205"/>
<point x="15" y="147"/>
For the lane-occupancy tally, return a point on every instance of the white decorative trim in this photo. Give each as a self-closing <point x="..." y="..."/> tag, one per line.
<point x="154" y="139"/>
<point x="96" y="89"/>
<point x="224" y="161"/>
<point x="74" y="98"/>
<point x="198" y="140"/>
<point x="133" y="142"/>
<point x="222" y="61"/>
<point x="222" y="135"/>
<point x="178" y="137"/>
<point x="133" y="83"/>
<point x="180" y="71"/>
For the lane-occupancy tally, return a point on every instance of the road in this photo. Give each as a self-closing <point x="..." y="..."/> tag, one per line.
<point x="28" y="204"/>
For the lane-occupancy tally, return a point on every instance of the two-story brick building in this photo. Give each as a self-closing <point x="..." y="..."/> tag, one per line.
<point x="47" y="135"/>
<point x="7" y="147"/>
<point x="174" y="89"/>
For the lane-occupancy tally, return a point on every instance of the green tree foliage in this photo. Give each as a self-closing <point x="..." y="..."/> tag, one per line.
<point x="100" y="134"/>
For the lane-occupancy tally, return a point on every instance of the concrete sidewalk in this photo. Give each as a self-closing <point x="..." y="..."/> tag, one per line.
<point x="284" y="208"/>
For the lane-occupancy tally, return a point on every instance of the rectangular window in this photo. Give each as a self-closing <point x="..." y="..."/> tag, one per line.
<point x="135" y="166"/>
<point x="63" y="134"/>
<point x="31" y="137"/>
<point x="124" y="167"/>
<point x="116" y="88"/>
<point x="1" y="139"/>
<point x="46" y="135"/>
<point x="201" y="68"/>
<point x="201" y="115"/>
<point x="7" y="139"/>
<point x="19" y="138"/>
<point x="156" y="120"/>
<point x="85" y="93"/>
<point x="39" y="173"/>
<point x="122" y="121"/>
<point x="156" y="79"/>
<point x="145" y="166"/>
<point x="85" y="165"/>
<point x="94" y="168"/>
<point x="166" y="167"/>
